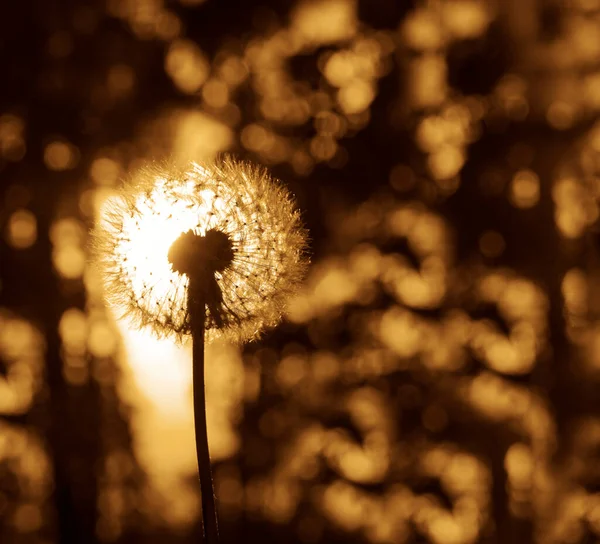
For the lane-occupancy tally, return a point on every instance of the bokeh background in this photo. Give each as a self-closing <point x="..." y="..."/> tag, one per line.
<point x="436" y="380"/>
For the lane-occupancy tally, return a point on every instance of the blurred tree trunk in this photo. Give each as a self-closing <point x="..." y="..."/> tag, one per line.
<point x="73" y="411"/>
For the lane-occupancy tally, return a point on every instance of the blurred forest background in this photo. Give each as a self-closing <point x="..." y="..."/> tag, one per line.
<point x="436" y="380"/>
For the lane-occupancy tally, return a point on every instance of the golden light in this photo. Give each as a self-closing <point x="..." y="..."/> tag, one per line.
<point x="105" y="171"/>
<point x="24" y="457"/>
<point x="428" y="85"/>
<point x="574" y="209"/>
<point x="146" y="242"/>
<point x="67" y="236"/>
<point x="519" y="465"/>
<point x="21" y="353"/>
<point x="255" y="213"/>
<point x="60" y="155"/>
<point x="155" y="372"/>
<point x="21" y="230"/>
<point x="187" y="65"/>
<point x="215" y="93"/>
<point x="325" y="21"/>
<point x="195" y="134"/>
<point x="466" y="19"/>
<point x="102" y="341"/>
<point x="69" y="261"/>
<point x="446" y="162"/>
<point x="73" y="331"/>
<point x="575" y="290"/>
<point x="522" y="305"/>
<point x="525" y="189"/>
<point x="156" y="380"/>
<point x="356" y="96"/>
<point x="422" y="30"/>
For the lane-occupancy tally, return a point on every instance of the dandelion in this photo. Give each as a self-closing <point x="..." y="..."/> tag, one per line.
<point x="205" y="250"/>
<point x="235" y="207"/>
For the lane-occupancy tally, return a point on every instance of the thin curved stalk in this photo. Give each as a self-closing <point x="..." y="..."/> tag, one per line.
<point x="209" y="510"/>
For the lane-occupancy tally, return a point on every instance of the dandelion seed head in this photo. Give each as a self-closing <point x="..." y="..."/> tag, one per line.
<point x="151" y="236"/>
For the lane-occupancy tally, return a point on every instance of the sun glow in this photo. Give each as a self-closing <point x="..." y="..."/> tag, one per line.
<point x="146" y="238"/>
<point x="255" y="213"/>
<point x="134" y="235"/>
<point x="156" y="381"/>
<point x="156" y="372"/>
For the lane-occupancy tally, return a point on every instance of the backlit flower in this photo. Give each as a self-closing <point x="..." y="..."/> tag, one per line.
<point x="262" y="262"/>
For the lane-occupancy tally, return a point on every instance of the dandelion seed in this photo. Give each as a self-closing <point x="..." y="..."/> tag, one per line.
<point x="228" y="207"/>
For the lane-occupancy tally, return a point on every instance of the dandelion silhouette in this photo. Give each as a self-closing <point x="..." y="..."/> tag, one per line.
<point x="213" y="250"/>
<point x="243" y="204"/>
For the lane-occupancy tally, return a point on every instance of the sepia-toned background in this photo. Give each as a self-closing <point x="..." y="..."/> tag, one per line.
<point x="436" y="380"/>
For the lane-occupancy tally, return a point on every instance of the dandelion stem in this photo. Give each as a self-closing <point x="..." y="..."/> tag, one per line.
<point x="209" y="510"/>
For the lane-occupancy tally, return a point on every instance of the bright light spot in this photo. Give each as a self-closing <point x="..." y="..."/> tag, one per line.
<point x="446" y="162"/>
<point x="356" y="96"/>
<point x="105" y="171"/>
<point x="197" y="135"/>
<point x="73" y="331"/>
<point x="422" y="30"/>
<point x="428" y="81"/>
<point x="519" y="465"/>
<point x="102" y="341"/>
<point x="157" y="381"/>
<point x="325" y="21"/>
<point x="21" y="351"/>
<point x="146" y="237"/>
<point x="21" y="230"/>
<point x="466" y="19"/>
<point x="575" y="291"/>
<point x="187" y="65"/>
<point x="68" y="256"/>
<point x="525" y="189"/>
<point x="69" y="261"/>
<point x="574" y="209"/>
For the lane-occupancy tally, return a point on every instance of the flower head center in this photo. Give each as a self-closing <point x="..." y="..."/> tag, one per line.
<point x="196" y="255"/>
